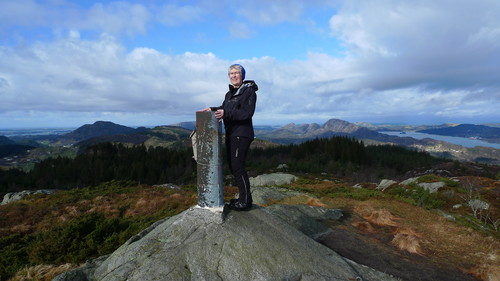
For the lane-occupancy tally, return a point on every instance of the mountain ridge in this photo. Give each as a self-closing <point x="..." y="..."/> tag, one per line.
<point x="178" y="135"/>
<point x="99" y="128"/>
<point x="293" y="133"/>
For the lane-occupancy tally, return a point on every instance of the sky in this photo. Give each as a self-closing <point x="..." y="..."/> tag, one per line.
<point x="147" y="63"/>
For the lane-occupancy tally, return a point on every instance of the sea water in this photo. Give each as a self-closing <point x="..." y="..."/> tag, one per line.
<point x="34" y="131"/>
<point x="466" y="142"/>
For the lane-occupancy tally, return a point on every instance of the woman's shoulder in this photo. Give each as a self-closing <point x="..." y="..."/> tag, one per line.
<point x="250" y="84"/>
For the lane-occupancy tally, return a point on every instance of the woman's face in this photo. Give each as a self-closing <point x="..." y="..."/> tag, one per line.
<point x="235" y="77"/>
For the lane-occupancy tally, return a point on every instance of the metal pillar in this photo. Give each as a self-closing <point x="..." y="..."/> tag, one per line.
<point x="209" y="160"/>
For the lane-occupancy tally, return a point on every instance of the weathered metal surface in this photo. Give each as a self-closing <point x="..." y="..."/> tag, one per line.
<point x="209" y="160"/>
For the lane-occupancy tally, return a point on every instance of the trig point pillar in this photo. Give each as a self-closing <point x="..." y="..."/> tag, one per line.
<point x="209" y="159"/>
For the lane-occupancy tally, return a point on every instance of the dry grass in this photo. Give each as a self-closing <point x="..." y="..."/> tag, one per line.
<point x="364" y="226"/>
<point x="407" y="239"/>
<point x="41" y="272"/>
<point x="311" y="201"/>
<point x="427" y="233"/>
<point x="415" y="230"/>
<point x="486" y="272"/>
<point x="380" y="217"/>
<point x="24" y="217"/>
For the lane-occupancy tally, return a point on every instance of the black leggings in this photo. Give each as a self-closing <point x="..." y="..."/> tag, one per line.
<point x="237" y="149"/>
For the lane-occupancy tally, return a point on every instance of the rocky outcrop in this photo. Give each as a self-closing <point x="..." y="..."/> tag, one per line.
<point x="432" y="187"/>
<point x="200" y="244"/>
<point x="385" y="183"/>
<point x="409" y="181"/>
<point x="265" y="195"/>
<point x="307" y="219"/>
<point x="272" y="179"/>
<point x="15" y="196"/>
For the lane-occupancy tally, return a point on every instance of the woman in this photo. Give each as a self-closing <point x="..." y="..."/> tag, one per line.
<point x="237" y="111"/>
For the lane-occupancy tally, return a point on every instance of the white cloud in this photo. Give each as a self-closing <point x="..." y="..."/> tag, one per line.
<point x="406" y="43"/>
<point x="82" y="76"/>
<point x="404" y="59"/>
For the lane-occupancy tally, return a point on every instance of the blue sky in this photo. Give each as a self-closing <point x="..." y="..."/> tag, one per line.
<point x="68" y="63"/>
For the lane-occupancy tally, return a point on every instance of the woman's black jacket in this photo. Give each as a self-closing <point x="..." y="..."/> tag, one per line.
<point x="239" y="107"/>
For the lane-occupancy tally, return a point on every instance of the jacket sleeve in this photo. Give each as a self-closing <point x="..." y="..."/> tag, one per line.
<point x="245" y="108"/>
<point x="215" y="108"/>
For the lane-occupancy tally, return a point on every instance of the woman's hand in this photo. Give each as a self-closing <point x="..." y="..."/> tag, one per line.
<point x="219" y="114"/>
<point x="206" y="109"/>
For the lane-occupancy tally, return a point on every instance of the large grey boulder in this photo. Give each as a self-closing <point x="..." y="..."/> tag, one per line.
<point x="272" y="179"/>
<point x="409" y="181"/>
<point x="15" y="196"/>
<point x="384" y="184"/>
<point x="432" y="187"/>
<point x="199" y="245"/>
<point x="307" y="219"/>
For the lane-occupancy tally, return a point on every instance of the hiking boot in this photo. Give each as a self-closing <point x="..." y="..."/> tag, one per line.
<point x="240" y="206"/>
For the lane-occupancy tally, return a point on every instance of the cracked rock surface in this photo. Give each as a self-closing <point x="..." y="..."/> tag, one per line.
<point x="199" y="244"/>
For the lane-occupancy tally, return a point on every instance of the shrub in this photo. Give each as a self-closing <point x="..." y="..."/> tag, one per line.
<point x="418" y="196"/>
<point x="434" y="178"/>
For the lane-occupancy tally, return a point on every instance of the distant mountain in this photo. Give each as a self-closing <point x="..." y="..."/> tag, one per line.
<point x="9" y="147"/>
<point x="293" y="133"/>
<point x="186" y="125"/>
<point x="157" y="136"/>
<point x="99" y="128"/>
<point x="467" y="131"/>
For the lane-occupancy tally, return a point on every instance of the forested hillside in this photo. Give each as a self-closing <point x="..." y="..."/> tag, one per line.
<point x="103" y="162"/>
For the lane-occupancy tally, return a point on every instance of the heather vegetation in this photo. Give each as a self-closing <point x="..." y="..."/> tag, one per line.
<point x="74" y="225"/>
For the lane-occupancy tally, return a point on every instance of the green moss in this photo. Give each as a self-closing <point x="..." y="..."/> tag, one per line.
<point x="356" y="193"/>
<point x="303" y="180"/>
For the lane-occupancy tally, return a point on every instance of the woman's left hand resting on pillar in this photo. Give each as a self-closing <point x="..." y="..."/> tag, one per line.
<point x="219" y="114"/>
